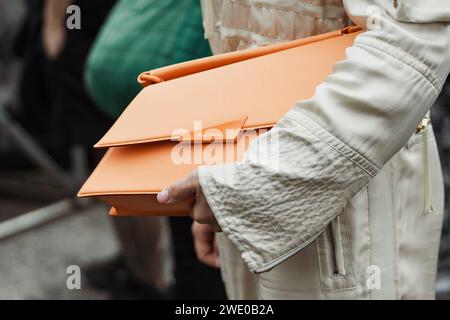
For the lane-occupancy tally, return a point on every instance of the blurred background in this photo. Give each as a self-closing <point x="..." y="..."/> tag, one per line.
<point x="67" y="70"/>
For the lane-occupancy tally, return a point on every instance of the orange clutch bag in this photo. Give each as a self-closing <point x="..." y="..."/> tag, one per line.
<point x="192" y="112"/>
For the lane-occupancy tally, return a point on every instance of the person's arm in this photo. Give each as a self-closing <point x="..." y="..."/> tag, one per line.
<point x="54" y="26"/>
<point x="330" y="146"/>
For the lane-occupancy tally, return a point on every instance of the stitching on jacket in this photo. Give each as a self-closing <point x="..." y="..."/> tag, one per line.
<point x="402" y="56"/>
<point x="312" y="126"/>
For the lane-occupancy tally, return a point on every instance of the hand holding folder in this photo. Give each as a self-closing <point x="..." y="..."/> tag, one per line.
<point x="227" y="94"/>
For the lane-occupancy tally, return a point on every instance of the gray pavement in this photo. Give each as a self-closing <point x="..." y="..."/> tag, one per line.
<point x="33" y="264"/>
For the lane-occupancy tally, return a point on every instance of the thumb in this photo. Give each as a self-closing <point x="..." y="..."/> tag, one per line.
<point x="179" y="190"/>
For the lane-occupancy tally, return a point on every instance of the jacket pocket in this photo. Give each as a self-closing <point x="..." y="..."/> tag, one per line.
<point x="335" y="261"/>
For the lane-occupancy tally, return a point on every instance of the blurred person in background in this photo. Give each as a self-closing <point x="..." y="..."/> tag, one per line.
<point x="76" y="119"/>
<point x="53" y="104"/>
<point x="139" y="36"/>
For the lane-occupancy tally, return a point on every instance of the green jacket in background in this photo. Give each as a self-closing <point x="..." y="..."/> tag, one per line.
<point x="138" y="36"/>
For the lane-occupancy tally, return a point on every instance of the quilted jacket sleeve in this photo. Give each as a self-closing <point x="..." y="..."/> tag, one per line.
<point x="326" y="149"/>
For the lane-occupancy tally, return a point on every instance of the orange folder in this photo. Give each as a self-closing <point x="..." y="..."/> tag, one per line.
<point x="205" y="111"/>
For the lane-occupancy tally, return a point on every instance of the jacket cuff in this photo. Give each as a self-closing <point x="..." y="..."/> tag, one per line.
<point x="272" y="207"/>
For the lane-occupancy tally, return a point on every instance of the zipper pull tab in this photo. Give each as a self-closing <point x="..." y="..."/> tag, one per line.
<point x="423" y="126"/>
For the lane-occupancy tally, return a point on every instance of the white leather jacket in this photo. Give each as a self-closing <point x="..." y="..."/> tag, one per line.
<point x="356" y="185"/>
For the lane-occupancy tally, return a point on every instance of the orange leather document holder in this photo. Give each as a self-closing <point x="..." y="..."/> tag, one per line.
<point x="187" y="111"/>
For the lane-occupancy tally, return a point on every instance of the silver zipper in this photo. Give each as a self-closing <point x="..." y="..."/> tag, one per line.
<point x="337" y="264"/>
<point x="336" y="254"/>
<point x="269" y="266"/>
<point x="332" y="255"/>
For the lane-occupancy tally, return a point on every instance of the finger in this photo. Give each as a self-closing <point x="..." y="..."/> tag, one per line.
<point x="215" y="225"/>
<point x="205" y="253"/>
<point x="202" y="213"/>
<point x="179" y="190"/>
<point x="204" y="245"/>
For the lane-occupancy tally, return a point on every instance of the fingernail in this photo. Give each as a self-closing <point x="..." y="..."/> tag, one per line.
<point x="163" y="196"/>
<point x="217" y="263"/>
